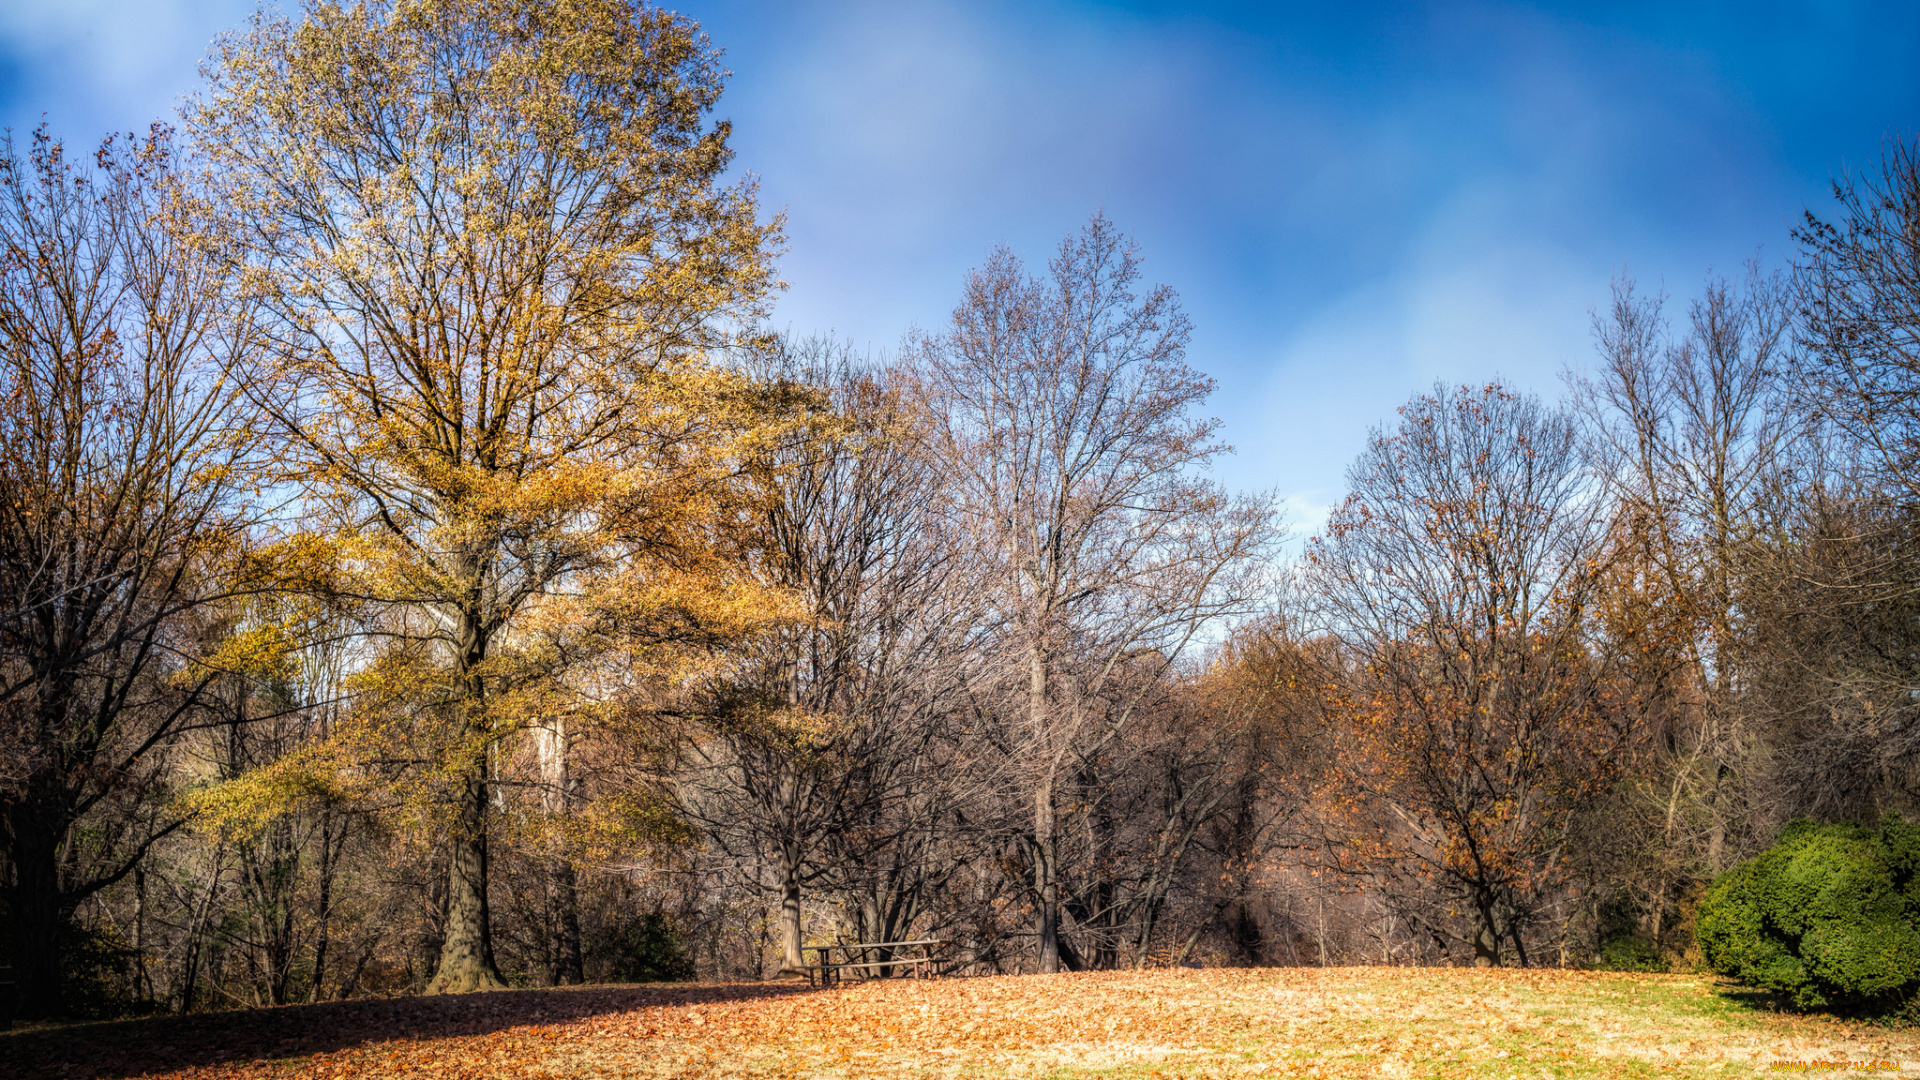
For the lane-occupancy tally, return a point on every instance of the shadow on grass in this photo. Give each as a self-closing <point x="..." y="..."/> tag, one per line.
<point x="1751" y="999"/>
<point x="1779" y="1006"/>
<point x="127" y="1048"/>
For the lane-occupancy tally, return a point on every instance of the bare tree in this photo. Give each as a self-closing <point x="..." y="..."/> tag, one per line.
<point x="126" y="454"/>
<point x="1830" y="590"/>
<point x="1697" y="432"/>
<point x="1837" y="658"/>
<point x="823" y="730"/>
<point x="1062" y="415"/>
<point x="1467" y="714"/>
<point x="1858" y="284"/>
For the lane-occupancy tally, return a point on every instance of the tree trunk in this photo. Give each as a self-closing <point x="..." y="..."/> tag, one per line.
<point x="1104" y="954"/>
<point x="1149" y="919"/>
<point x="34" y="903"/>
<point x="466" y="951"/>
<point x="142" y="983"/>
<point x="1045" y="844"/>
<point x="1486" y="939"/>
<point x="791" y="959"/>
<point x="270" y="870"/>
<point x="1717" y="831"/>
<point x="323" y="914"/>
<point x="1045" y="878"/>
<point x="197" y="929"/>
<point x="280" y="956"/>
<point x="572" y="968"/>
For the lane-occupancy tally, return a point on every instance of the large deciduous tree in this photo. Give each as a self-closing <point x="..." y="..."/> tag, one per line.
<point x="1467" y="716"/>
<point x="499" y="247"/>
<point x="125" y="455"/>
<point x="1063" y="410"/>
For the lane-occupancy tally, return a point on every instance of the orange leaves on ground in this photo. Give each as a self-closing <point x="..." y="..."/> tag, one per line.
<point x="1213" y="1023"/>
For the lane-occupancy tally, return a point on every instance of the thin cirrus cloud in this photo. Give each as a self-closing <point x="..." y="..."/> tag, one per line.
<point x="1353" y="199"/>
<point x="88" y="67"/>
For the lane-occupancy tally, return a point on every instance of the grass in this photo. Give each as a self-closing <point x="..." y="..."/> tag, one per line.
<point x="1341" y="1022"/>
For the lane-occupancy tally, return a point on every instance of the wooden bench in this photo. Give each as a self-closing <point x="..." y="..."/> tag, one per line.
<point x="825" y="971"/>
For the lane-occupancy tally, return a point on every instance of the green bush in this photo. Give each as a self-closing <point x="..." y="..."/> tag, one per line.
<point x="1829" y="918"/>
<point x="1629" y="952"/>
<point x="646" y="949"/>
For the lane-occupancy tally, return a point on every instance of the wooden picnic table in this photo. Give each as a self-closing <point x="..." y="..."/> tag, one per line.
<point x="825" y="971"/>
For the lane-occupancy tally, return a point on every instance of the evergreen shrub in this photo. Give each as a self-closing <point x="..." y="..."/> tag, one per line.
<point x="1630" y="952"/>
<point x="1828" y="918"/>
<point x="647" y="948"/>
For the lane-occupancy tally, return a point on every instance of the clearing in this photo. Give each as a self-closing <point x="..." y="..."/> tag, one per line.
<point x="1338" y="1022"/>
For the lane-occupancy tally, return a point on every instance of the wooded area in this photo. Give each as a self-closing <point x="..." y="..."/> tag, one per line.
<point x="421" y="570"/>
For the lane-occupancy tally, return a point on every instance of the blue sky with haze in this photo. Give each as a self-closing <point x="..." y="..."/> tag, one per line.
<point x="1352" y="199"/>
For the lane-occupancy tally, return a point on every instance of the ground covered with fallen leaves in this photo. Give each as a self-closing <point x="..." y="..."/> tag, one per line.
<point x="1338" y="1022"/>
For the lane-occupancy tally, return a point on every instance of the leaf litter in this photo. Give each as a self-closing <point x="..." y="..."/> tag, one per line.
<point x="1215" y="1023"/>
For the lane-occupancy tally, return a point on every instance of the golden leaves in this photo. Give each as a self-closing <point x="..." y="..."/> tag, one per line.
<point x="499" y="251"/>
<point x="246" y="804"/>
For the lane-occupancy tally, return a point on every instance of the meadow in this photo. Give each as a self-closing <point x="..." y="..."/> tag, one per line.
<point x="1317" y="1022"/>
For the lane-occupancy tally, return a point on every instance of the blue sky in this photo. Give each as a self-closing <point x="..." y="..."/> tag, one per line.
<point x="1352" y="199"/>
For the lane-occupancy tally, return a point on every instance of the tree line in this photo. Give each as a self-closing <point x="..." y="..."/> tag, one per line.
<point x="423" y="571"/>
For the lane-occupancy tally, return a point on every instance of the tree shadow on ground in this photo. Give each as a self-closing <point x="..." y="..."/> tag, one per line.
<point x="1753" y="1000"/>
<point x="128" y="1048"/>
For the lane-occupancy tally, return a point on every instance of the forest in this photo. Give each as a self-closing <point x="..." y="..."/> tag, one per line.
<point x="424" y="570"/>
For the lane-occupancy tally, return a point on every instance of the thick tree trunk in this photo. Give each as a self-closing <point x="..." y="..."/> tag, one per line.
<point x="791" y="958"/>
<point x="34" y="902"/>
<point x="466" y="951"/>
<point x="1486" y="938"/>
